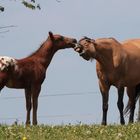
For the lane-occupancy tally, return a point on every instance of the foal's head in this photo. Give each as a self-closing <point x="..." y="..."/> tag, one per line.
<point x="86" y="48"/>
<point x="61" y="42"/>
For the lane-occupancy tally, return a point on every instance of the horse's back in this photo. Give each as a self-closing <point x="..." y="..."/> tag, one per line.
<point x="132" y="43"/>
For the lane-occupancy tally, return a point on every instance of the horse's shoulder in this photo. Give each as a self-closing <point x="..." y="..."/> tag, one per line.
<point x="99" y="69"/>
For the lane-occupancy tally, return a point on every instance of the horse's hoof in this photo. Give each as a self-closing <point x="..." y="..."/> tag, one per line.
<point x="28" y="123"/>
<point x="122" y="122"/>
<point x="103" y="123"/>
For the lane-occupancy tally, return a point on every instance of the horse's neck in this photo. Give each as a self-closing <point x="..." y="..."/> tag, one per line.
<point x="108" y="54"/>
<point x="45" y="54"/>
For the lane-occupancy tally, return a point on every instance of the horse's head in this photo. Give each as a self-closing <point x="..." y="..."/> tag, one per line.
<point x="62" y="42"/>
<point x="86" y="48"/>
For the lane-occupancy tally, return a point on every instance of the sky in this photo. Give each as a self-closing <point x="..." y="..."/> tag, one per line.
<point x="70" y="92"/>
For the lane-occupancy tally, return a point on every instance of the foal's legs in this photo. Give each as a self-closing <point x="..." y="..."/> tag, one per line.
<point x="131" y="95"/>
<point x="35" y="94"/>
<point x="28" y="105"/>
<point x="120" y="104"/>
<point x="104" y="88"/>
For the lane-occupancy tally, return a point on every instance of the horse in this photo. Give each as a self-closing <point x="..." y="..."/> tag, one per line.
<point x="117" y="64"/>
<point x="29" y="73"/>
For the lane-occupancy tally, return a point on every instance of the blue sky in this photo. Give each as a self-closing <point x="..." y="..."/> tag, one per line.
<point x="67" y="73"/>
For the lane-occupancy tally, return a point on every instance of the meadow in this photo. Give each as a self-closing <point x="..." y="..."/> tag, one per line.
<point x="70" y="132"/>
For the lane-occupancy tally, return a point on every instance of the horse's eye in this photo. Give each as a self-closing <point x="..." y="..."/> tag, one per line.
<point x="60" y="39"/>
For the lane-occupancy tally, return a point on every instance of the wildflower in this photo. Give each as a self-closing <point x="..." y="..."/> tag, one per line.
<point x="120" y="134"/>
<point x="88" y="132"/>
<point x="24" y="138"/>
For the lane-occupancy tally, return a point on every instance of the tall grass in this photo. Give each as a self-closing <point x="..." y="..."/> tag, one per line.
<point x="70" y="132"/>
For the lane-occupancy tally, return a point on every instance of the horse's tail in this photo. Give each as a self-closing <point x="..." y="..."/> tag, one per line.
<point x="137" y="95"/>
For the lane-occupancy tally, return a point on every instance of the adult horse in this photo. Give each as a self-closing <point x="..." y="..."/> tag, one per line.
<point x="117" y="64"/>
<point x="29" y="73"/>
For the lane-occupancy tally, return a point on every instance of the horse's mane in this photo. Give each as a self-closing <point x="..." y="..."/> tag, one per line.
<point x="35" y="52"/>
<point x="85" y="37"/>
<point x="109" y="39"/>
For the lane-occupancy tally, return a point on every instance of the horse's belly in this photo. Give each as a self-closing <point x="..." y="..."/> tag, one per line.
<point x="117" y="80"/>
<point x="132" y="82"/>
<point x="127" y="81"/>
<point x="14" y="84"/>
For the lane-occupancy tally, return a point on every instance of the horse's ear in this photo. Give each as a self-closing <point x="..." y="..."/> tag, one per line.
<point x="51" y="36"/>
<point x="92" y="40"/>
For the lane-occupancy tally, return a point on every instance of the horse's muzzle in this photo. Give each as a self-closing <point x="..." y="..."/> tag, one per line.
<point x="78" y="48"/>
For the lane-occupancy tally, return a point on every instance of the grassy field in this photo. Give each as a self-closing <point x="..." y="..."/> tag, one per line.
<point x="70" y="132"/>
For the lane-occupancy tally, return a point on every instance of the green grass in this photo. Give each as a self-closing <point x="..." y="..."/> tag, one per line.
<point x="70" y="132"/>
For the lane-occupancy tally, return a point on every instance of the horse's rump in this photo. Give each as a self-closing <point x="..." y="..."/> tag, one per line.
<point x="7" y="62"/>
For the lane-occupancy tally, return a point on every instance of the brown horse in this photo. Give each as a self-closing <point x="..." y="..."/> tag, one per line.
<point x="29" y="73"/>
<point x="117" y="64"/>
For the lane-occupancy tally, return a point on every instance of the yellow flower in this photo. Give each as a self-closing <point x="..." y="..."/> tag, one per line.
<point x="24" y="138"/>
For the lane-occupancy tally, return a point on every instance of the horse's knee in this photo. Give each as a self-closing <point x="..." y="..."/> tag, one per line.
<point x="105" y="107"/>
<point x="29" y="108"/>
<point x="28" y="105"/>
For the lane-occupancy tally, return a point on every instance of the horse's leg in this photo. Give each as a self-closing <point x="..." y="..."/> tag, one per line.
<point x="131" y="95"/>
<point x="35" y="94"/>
<point x="120" y="104"/>
<point x="28" y="105"/>
<point x="3" y="79"/>
<point x="104" y="88"/>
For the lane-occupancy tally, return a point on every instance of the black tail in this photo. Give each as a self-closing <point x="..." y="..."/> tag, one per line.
<point x="137" y="95"/>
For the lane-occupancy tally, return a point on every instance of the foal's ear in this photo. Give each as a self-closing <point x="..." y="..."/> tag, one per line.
<point x="51" y="36"/>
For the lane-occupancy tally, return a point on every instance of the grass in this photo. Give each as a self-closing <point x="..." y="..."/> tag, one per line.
<point x="70" y="132"/>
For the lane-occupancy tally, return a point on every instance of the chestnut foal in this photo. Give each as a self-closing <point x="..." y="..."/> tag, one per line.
<point x="29" y="73"/>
